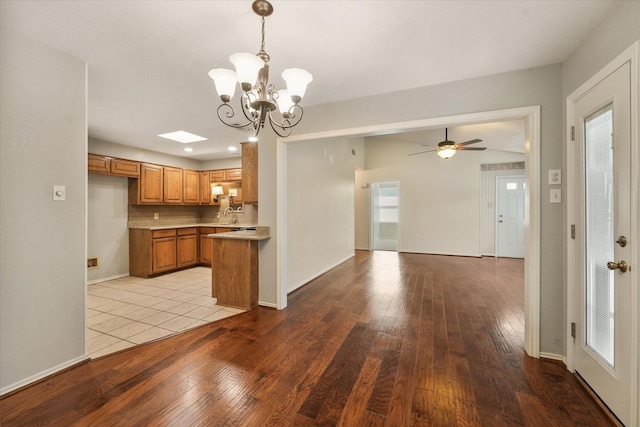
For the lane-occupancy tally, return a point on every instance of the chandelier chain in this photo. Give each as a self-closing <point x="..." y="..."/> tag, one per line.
<point x="263" y="54"/>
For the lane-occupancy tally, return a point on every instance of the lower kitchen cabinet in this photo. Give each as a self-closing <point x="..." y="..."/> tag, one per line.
<point x="205" y="243"/>
<point x="187" y="247"/>
<point x="163" y="254"/>
<point x="153" y="252"/>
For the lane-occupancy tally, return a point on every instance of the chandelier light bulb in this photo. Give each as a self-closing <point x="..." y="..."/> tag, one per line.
<point x="284" y="102"/>
<point x="297" y="81"/>
<point x="225" y="82"/>
<point x="247" y="68"/>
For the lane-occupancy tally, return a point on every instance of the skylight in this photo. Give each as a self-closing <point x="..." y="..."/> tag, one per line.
<point x="182" y="136"/>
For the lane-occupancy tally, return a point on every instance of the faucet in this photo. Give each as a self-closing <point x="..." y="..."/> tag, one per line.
<point x="234" y="217"/>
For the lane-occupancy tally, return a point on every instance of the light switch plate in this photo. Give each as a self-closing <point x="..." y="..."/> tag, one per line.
<point x="59" y="192"/>
<point x="555" y="195"/>
<point x="555" y="176"/>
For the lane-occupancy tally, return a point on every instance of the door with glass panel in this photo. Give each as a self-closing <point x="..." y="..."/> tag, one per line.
<point x="510" y="216"/>
<point x="602" y="294"/>
<point x="384" y="216"/>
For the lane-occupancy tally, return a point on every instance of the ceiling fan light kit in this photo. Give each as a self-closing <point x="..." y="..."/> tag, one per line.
<point x="447" y="149"/>
<point x="259" y="99"/>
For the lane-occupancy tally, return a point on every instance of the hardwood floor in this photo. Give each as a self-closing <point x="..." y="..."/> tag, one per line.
<point x="382" y="340"/>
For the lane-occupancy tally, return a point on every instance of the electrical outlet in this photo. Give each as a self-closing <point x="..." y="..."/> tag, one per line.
<point x="555" y="195"/>
<point x="156" y="215"/>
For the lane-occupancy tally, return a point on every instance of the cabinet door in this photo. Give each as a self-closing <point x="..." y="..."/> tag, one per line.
<point x="123" y="167"/>
<point x="205" y="245"/>
<point x="205" y="188"/>
<point x="187" y="250"/>
<point x="218" y="175"/>
<point x="99" y="164"/>
<point x="172" y="185"/>
<point x="150" y="184"/>
<point x="234" y="174"/>
<point x="250" y="172"/>
<point x="163" y="254"/>
<point x="191" y="190"/>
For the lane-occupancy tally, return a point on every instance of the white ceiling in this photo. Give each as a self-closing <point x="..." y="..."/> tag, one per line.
<point x="148" y="60"/>
<point x="501" y="136"/>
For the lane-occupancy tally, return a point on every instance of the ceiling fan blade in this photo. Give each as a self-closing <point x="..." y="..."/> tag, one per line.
<point x="421" y="152"/>
<point x="473" y="141"/>
<point x="471" y="148"/>
<point x="427" y="145"/>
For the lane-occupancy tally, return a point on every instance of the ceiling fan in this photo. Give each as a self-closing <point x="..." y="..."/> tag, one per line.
<point x="447" y="149"/>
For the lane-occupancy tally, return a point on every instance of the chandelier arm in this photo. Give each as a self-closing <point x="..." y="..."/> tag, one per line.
<point x="230" y="113"/>
<point x="280" y="129"/>
<point x="295" y="114"/>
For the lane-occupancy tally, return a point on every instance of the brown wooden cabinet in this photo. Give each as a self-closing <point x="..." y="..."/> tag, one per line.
<point x="113" y="166"/>
<point x="148" y="188"/>
<point x="234" y="272"/>
<point x="99" y="164"/>
<point x="218" y="175"/>
<point x="172" y="186"/>
<point x="225" y="175"/>
<point x="249" y="172"/>
<point x="191" y="187"/>
<point x="205" y="245"/>
<point x="163" y="251"/>
<point x="205" y="188"/>
<point x="234" y="174"/>
<point x="187" y="247"/>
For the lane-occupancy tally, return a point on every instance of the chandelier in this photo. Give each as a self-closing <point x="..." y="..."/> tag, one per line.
<point x="259" y="99"/>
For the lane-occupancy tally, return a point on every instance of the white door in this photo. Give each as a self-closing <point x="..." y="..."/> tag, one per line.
<point x="510" y="216"/>
<point x="384" y="216"/>
<point x="602" y="349"/>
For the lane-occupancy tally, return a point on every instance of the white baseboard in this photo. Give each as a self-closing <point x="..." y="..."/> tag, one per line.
<point x="554" y="356"/>
<point x="307" y="280"/>
<point x="104" y="279"/>
<point x="267" y="304"/>
<point x="43" y="374"/>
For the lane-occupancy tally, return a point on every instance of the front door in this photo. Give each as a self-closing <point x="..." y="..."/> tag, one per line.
<point x="510" y="221"/>
<point x="602" y="351"/>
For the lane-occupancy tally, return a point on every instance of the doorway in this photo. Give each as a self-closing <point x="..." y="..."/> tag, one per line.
<point x="603" y="331"/>
<point x="531" y="116"/>
<point x="510" y="194"/>
<point x="384" y="216"/>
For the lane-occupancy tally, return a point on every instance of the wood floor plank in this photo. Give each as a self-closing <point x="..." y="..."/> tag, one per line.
<point x="384" y="339"/>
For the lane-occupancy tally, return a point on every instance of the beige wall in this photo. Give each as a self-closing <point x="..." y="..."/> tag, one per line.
<point x="43" y="138"/>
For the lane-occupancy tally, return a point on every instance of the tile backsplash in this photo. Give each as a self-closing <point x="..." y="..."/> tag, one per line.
<point x="143" y="215"/>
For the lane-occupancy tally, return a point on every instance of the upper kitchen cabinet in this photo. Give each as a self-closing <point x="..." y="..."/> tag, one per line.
<point x="148" y="189"/>
<point x="172" y="186"/>
<point x="113" y="166"/>
<point x="225" y="175"/>
<point x="205" y="188"/>
<point x="250" y="172"/>
<point x="191" y="187"/>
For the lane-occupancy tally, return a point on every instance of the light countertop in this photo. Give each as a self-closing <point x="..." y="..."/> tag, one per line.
<point x="213" y="224"/>
<point x="241" y="235"/>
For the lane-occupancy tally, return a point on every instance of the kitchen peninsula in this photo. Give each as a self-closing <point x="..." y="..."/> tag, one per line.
<point x="234" y="267"/>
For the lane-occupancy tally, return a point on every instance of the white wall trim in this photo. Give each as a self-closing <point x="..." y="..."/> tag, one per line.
<point x="315" y="276"/>
<point x="553" y="356"/>
<point x="106" y="279"/>
<point x="267" y="304"/>
<point x="530" y="114"/>
<point x="631" y="55"/>
<point x="43" y="374"/>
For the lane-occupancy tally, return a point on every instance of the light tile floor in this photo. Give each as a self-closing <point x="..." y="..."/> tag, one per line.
<point x="129" y="311"/>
